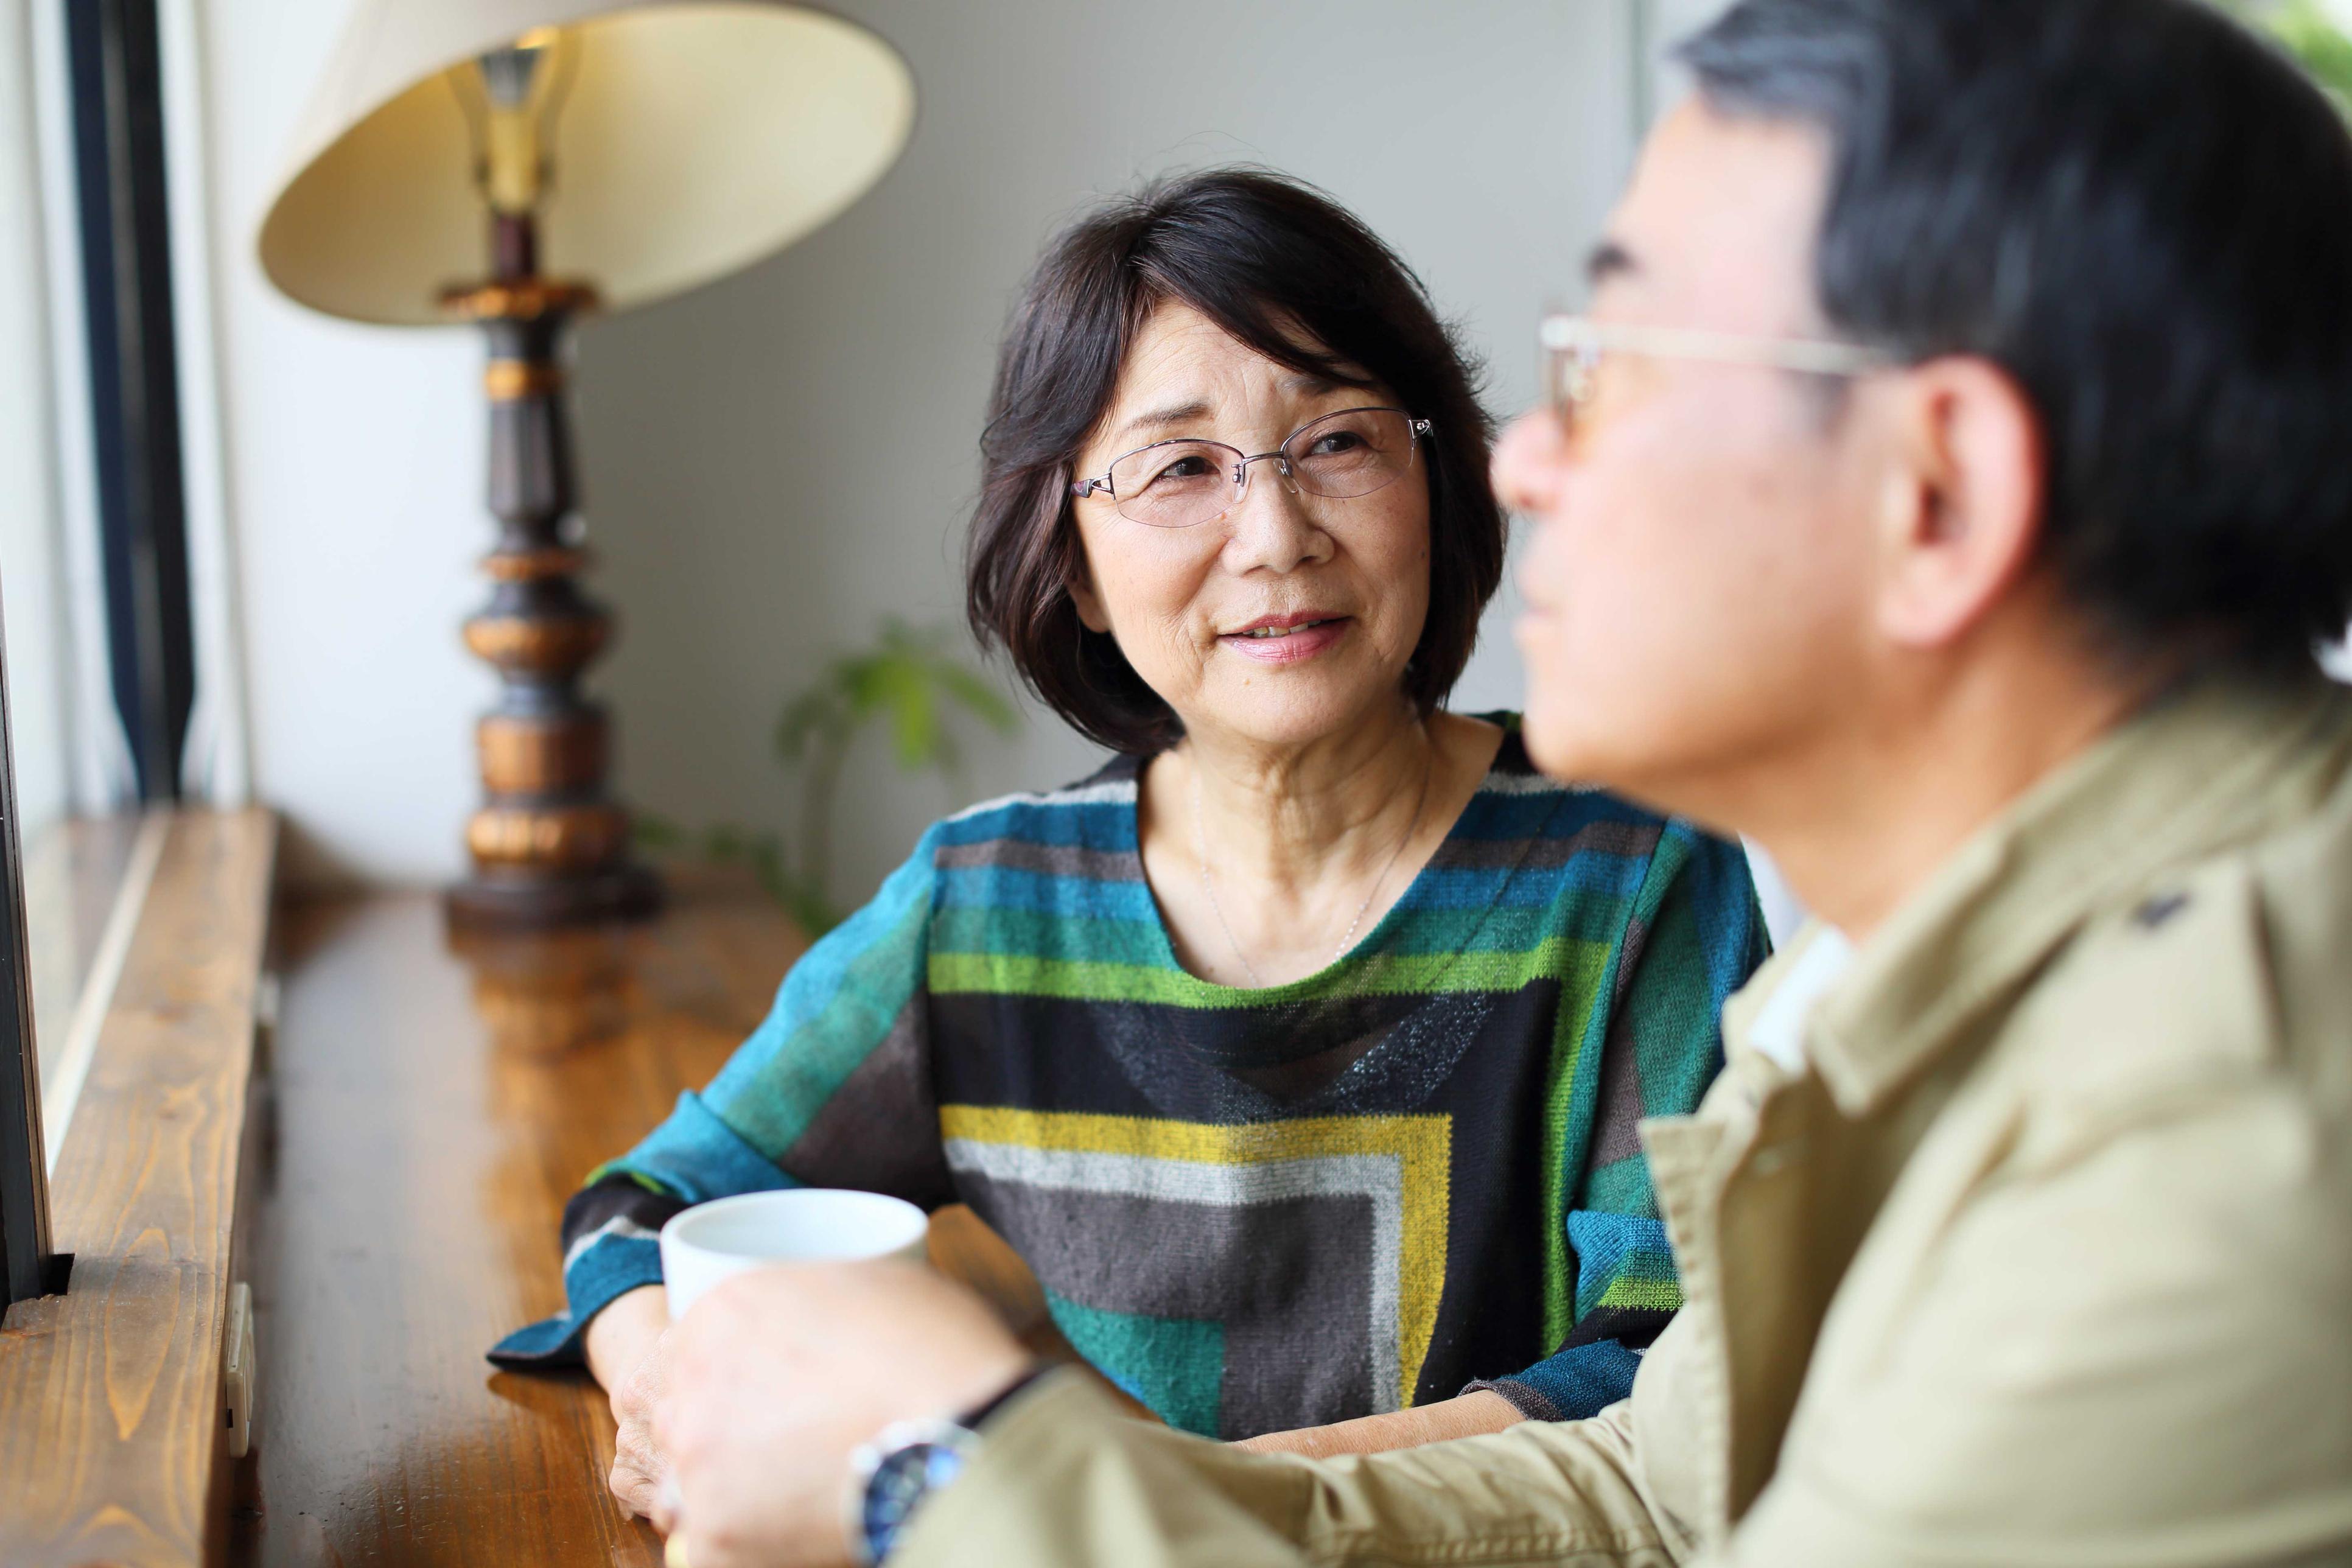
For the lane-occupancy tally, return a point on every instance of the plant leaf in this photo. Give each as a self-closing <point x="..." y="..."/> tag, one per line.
<point x="915" y="732"/>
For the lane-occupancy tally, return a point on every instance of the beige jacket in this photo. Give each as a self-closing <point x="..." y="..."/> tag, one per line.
<point x="2044" y="1258"/>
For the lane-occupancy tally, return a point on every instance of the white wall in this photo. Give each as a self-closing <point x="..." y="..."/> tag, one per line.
<point x="773" y="464"/>
<point x="354" y="460"/>
<point x="31" y="576"/>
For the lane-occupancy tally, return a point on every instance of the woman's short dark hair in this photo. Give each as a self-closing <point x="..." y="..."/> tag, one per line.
<point x="1268" y="260"/>
<point x="2144" y="215"/>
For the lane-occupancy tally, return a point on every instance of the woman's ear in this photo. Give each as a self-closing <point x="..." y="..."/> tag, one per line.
<point x="1082" y="594"/>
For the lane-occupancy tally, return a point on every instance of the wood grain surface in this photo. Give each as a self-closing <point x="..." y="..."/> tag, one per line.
<point x="110" y="1417"/>
<point x="438" y="1098"/>
<point x="73" y="873"/>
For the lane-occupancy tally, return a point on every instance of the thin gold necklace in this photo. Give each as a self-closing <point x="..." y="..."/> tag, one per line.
<point x="1209" y="885"/>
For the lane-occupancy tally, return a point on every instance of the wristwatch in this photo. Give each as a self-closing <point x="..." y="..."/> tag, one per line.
<point x="906" y="1463"/>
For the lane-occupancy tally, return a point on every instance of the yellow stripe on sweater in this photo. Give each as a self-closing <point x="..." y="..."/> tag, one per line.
<point x="1422" y="1144"/>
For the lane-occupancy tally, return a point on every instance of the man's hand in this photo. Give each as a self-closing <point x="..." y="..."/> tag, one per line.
<point x="627" y="1350"/>
<point x="778" y="1375"/>
<point x="1464" y="1415"/>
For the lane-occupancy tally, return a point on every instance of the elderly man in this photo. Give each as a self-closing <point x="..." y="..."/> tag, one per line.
<point x="1947" y="491"/>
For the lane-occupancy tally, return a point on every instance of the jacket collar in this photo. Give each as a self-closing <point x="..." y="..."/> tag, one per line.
<point x="2185" y="776"/>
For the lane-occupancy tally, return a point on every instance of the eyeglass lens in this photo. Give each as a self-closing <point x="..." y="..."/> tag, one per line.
<point x="1569" y="376"/>
<point x="1178" y="484"/>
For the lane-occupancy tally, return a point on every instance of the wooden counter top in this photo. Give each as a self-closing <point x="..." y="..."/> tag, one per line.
<point x="112" y="1449"/>
<point x="435" y="1106"/>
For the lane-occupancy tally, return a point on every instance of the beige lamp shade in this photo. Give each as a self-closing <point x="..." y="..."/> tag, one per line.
<point x="696" y="137"/>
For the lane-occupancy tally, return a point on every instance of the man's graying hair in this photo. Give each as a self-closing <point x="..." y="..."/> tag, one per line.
<point x="2144" y="214"/>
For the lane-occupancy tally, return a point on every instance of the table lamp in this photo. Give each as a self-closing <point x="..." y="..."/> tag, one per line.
<point x="514" y="164"/>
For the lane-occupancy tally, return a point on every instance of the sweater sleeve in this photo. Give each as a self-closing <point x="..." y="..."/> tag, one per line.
<point x="1702" y="937"/>
<point x="833" y="1089"/>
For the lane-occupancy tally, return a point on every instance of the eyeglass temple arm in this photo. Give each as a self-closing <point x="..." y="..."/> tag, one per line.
<point x="1810" y="355"/>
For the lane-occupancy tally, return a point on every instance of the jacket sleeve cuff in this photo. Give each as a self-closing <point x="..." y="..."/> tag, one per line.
<point x="1525" y="1397"/>
<point x="1580" y="1382"/>
<point x="604" y="1268"/>
<point x="1063" y="1478"/>
<point x="613" y="1226"/>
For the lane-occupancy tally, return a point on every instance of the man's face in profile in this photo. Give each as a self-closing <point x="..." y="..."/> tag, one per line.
<point x="1697" y="588"/>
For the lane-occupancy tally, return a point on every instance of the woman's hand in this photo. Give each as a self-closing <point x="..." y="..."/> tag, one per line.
<point x="782" y="1371"/>
<point x="1466" y="1416"/>
<point x="627" y="1347"/>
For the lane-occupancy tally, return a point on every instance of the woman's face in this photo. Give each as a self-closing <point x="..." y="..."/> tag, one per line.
<point x="1342" y="584"/>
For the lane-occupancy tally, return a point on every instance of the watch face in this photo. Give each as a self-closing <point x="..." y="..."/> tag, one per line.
<point x="902" y="1477"/>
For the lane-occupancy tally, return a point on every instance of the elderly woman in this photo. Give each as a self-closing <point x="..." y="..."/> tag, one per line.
<point x="1299" y="1050"/>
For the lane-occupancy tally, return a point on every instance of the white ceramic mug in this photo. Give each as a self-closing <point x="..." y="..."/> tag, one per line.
<point x="710" y="1242"/>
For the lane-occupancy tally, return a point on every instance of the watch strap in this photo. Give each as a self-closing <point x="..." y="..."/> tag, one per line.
<point x="971" y="1419"/>
<point x="906" y="1463"/>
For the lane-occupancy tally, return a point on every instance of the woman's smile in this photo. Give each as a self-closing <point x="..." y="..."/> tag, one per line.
<point x="1287" y="639"/>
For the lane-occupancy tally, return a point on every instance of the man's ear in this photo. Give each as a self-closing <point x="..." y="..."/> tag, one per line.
<point x="1962" y="499"/>
<point x="1082" y="594"/>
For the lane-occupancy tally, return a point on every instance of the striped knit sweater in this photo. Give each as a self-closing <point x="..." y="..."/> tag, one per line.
<point x="1254" y="1210"/>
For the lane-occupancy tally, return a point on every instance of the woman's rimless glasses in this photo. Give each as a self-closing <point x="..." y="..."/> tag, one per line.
<point x="1575" y="346"/>
<point x="1181" y="484"/>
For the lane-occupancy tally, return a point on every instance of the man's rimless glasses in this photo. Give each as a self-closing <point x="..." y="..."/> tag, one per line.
<point x="1575" y="346"/>
<point x="1182" y="483"/>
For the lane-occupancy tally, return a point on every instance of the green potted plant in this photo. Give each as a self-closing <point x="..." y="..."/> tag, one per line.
<point x="908" y="683"/>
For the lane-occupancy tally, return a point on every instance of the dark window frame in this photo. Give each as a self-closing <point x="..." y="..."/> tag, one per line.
<point x="115" y="96"/>
<point x="29" y="1265"/>
<point x="114" y="71"/>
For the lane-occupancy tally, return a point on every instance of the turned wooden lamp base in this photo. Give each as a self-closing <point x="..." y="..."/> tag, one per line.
<point x="549" y="846"/>
<point x="508" y="902"/>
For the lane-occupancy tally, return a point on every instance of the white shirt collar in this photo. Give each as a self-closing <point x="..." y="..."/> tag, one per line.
<point x="1779" y="1030"/>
